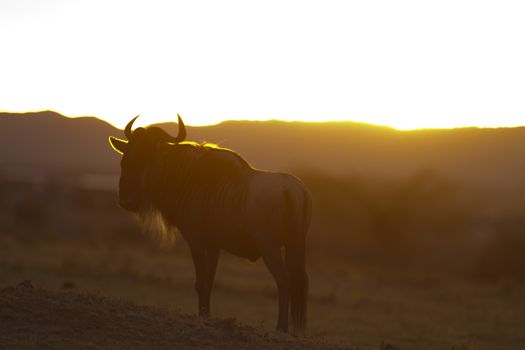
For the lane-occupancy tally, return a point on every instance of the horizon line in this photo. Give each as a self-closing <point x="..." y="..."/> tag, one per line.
<point x="328" y="121"/>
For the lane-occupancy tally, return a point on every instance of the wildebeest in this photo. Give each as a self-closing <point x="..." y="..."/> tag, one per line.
<point x="218" y="201"/>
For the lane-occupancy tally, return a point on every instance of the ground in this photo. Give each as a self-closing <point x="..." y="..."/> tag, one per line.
<point x="35" y="318"/>
<point x="97" y="297"/>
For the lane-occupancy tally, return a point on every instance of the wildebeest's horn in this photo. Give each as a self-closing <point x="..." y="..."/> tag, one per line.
<point x="127" y="130"/>
<point x="182" y="132"/>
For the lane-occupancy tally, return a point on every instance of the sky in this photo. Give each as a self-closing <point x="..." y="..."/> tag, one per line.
<point x="405" y="64"/>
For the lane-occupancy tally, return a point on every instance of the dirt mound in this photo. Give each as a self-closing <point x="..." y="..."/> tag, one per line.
<point x="34" y="318"/>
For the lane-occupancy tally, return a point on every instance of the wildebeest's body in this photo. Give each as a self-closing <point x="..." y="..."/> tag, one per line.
<point x="214" y="205"/>
<point x="218" y="201"/>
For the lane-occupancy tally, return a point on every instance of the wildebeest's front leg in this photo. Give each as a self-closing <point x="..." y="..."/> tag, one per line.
<point x="205" y="262"/>
<point x="272" y="257"/>
<point x="212" y="257"/>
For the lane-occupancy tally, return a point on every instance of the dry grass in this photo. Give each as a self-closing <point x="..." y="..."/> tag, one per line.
<point x="360" y="307"/>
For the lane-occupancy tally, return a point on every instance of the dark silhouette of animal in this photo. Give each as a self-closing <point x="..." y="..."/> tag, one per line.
<point x="219" y="202"/>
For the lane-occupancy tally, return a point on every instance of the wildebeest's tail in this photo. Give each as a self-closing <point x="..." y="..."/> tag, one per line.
<point x="299" y="210"/>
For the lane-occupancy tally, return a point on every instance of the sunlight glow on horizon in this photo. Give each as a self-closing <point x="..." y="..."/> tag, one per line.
<point x="402" y="64"/>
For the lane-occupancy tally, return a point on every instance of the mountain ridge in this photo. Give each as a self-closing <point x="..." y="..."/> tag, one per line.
<point x="487" y="156"/>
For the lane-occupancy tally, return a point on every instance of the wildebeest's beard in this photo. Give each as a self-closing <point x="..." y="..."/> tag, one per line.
<point x="150" y="210"/>
<point x="138" y="194"/>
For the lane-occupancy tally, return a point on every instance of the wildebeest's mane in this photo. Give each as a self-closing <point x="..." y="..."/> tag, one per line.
<point x="189" y="170"/>
<point x="213" y="147"/>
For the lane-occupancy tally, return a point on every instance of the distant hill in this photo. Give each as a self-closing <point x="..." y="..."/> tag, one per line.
<point x="487" y="157"/>
<point x="50" y="140"/>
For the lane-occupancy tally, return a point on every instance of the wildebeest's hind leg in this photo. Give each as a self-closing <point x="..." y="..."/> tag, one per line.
<point x="272" y="257"/>
<point x="205" y="262"/>
<point x="298" y="279"/>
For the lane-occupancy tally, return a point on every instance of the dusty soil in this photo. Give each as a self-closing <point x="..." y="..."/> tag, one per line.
<point x="35" y="318"/>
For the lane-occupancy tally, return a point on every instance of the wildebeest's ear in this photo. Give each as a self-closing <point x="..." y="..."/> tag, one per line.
<point x="118" y="144"/>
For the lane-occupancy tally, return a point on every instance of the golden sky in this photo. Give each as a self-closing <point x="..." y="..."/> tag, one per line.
<point x="406" y="64"/>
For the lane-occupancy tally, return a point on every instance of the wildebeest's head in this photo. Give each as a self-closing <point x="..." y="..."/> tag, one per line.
<point x="138" y="155"/>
